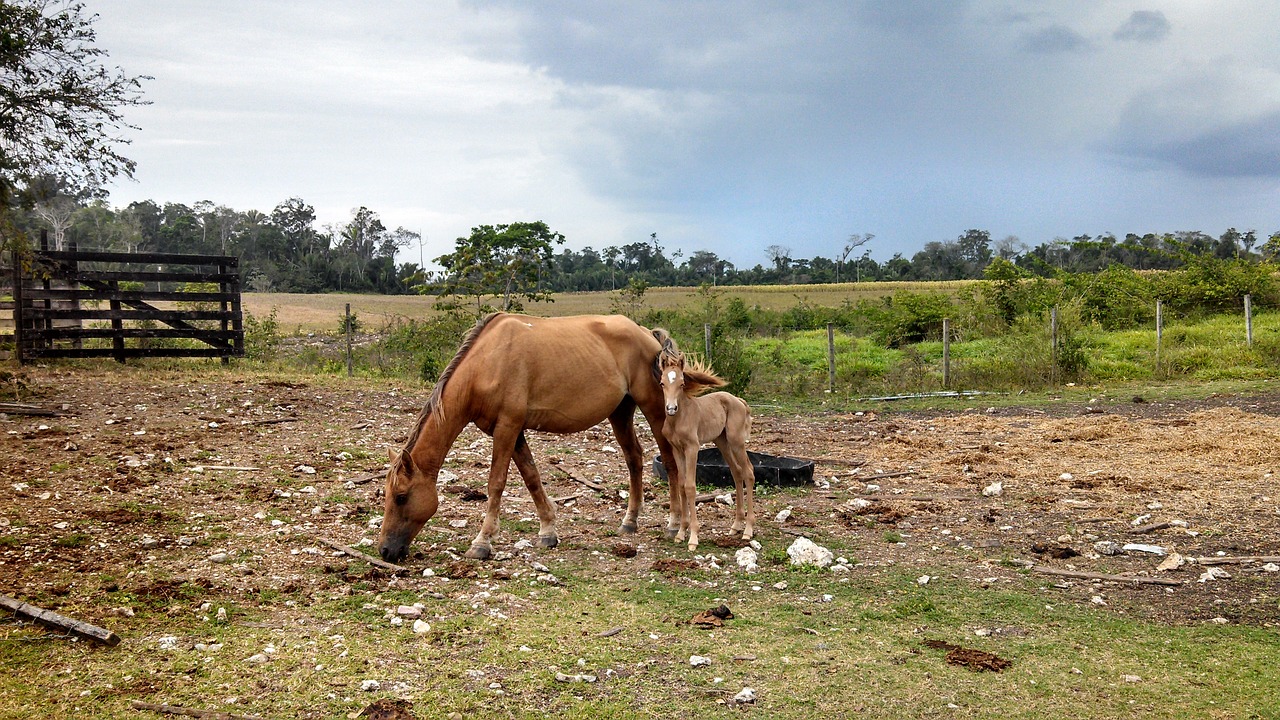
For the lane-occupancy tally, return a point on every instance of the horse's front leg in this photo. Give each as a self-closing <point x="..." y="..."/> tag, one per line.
<point x="744" y="482"/>
<point x="624" y="431"/>
<point x="546" y="511"/>
<point x="689" y="493"/>
<point x="504" y="443"/>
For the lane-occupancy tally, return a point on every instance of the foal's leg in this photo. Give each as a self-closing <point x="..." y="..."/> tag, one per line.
<point x="546" y="511"/>
<point x="670" y="461"/>
<point x="504" y="443"/>
<point x="744" y="488"/>
<point x="689" y="502"/>
<point x="624" y="431"/>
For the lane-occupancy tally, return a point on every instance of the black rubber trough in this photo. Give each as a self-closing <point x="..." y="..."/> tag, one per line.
<point x="770" y="469"/>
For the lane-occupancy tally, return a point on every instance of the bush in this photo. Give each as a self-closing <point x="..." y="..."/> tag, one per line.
<point x="1206" y="284"/>
<point x="261" y="336"/>
<point x="1116" y="298"/>
<point x="909" y="317"/>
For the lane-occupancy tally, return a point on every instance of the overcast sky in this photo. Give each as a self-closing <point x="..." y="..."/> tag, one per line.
<point x="724" y="126"/>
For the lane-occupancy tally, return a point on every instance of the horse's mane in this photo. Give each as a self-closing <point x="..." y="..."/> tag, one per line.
<point x="698" y="377"/>
<point x="433" y="405"/>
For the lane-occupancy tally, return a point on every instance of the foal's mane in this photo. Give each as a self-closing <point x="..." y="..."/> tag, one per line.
<point x="698" y="377"/>
<point x="433" y="405"/>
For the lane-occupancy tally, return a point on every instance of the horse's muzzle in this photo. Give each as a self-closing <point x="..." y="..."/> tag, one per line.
<point x="673" y="409"/>
<point x="394" y="551"/>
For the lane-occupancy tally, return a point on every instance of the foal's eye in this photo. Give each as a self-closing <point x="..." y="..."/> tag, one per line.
<point x="402" y="498"/>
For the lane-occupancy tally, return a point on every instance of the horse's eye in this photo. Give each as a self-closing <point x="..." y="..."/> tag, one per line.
<point x="402" y="498"/>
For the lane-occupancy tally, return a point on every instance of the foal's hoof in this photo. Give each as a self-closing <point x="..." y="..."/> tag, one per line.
<point x="478" y="552"/>
<point x="548" y="541"/>
<point x="670" y="533"/>
<point x="628" y="528"/>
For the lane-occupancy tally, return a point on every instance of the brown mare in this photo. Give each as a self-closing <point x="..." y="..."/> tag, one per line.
<point x="694" y="419"/>
<point x="514" y="373"/>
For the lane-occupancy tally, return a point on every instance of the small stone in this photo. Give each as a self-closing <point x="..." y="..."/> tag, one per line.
<point x="859" y="503"/>
<point x="923" y="580"/>
<point x="168" y="642"/>
<point x="304" y="469"/>
<point x="409" y="611"/>
<point x="1219" y="621"/>
<point x="369" y="685"/>
<point x="780" y="585"/>
<point x="1214" y="573"/>
<point x="872" y="488"/>
<point x="806" y="552"/>
<point x="1271" y="567"/>
<point x="747" y="559"/>
<point x="995" y="489"/>
<point x="421" y="627"/>
<point x="1172" y="562"/>
<point x="222" y="614"/>
<point x="697" y="660"/>
<point x="745" y="695"/>
<point x="457" y="523"/>
<point x="1066" y="477"/>
<point x="258" y="659"/>
<point x="1108" y="547"/>
<point x="1131" y="678"/>
<point x="783" y="515"/>
<point x="561" y="677"/>
<point x="220" y="557"/>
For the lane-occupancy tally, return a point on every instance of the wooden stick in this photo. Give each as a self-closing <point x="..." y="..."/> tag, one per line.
<point x="366" y="478"/>
<point x="1103" y="576"/>
<point x="51" y="619"/>
<point x="589" y="483"/>
<point x="883" y="476"/>
<point x="566" y="498"/>
<point x="271" y="421"/>
<point x="175" y="710"/>
<point x="1152" y="527"/>
<point x="359" y="555"/>
<point x="829" y="461"/>
<point x="1238" y="560"/>
<point x="25" y="409"/>
<point x="229" y="468"/>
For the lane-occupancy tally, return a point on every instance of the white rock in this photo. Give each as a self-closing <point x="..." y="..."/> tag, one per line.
<point x="1271" y="567"/>
<point x="1219" y="621"/>
<point x="169" y="642"/>
<point x="859" y="503"/>
<point x="409" y="611"/>
<point x="747" y="559"/>
<point x="806" y="552"/>
<point x="457" y="523"/>
<point x="1098" y="600"/>
<point x="783" y="515"/>
<point x="993" y="490"/>
<point x="219" y="557"/>
<point x="561" y="677"/>
<point x="755" y="545"/>
<point x="780" y="585"/>
<point x="1107" y="547"/>
<point x="609" y="449"/>
<point x="1172" y="562"/>
<point x="258" y="659"/>
<point x="1140" y="519"/>
<point x="923" y="580"/>
<point x="1131" y="678"/>
<point x="222" y="614"/>
<point x="1214" y="573"/>
<point x="369" y="685"/>
<point x="305" y="469"/>
<point x="872" y="488"/>
<point x="696" y="660"/>
<point x="725" y="499"/>
<point x="1066" y="476"/>
<point x="421" y="627"/>
<point x="745" y="695"/>
<point x="397" y="621"/>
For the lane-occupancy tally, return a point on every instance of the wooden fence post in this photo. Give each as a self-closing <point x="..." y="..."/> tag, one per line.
<point x="1248" y="319"/>
<point x="1053" y="345"/>
<point x="1159" y="330"/>
<point x="18" y="301"/>
<point x="831" y="358"/>
<point x="706" y="340"/>
<point x="946" y="353"/>
<point x="347" y="325"/>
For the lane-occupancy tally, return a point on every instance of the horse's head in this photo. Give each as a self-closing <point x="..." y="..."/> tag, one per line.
<point x="670" y="369"/>
<point x="411" y="500"/>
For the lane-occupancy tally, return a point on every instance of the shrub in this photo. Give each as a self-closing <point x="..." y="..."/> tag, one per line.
<point x="909" y="317"/>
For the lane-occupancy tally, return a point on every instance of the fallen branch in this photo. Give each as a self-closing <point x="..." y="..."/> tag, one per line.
<point x="271" y="421"/>
<point x="1152" y="527"/>
<point x="366" y="478"/>
<point x="883" y="476"/>
<point x="1103" y="576"/>
<point x="566" y="498"/>
<point x="26" y="409"/>
<point x="829" y="461"/>
<point x="360" y="556"/>
<point x="229" y="468"/>
<point x="1238" y="560"/>
<point x="175" y="710"/>
<point x="589" y="483"/>
<point x="51" y="619"/>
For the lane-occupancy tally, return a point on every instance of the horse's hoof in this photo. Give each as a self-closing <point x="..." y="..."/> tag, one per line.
<point x="478" y="552"/>
<point x="628" y="528"/>
<point x="548" y="541"/>
<point x="670" y="533"/>
<point x="693" y="546"/>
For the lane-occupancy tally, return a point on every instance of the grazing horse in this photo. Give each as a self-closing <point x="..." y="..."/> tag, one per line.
<point x="514" y="373"/>
<point x="694" y="419"/>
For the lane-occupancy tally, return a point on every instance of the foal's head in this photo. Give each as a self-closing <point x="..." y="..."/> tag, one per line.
<point x="671" y="377"/>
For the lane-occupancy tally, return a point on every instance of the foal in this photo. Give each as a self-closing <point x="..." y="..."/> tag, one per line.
<point x="694" y="419"/>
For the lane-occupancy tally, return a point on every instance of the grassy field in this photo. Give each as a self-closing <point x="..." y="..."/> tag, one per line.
<point x="302" y="314"/>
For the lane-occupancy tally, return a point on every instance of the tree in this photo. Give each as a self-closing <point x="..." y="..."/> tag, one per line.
<point x="854" y="242"/>
<point x="503" y="261"/>
<point x="60" y="107"/>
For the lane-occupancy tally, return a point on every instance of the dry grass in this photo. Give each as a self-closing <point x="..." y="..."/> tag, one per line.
<point x="322" y="312"/>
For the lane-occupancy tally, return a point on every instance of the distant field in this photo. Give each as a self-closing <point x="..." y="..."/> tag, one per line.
<point x="320" y="313"/>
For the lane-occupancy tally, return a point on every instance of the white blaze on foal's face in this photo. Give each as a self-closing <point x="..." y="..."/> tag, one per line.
<point x="671" y="391"/>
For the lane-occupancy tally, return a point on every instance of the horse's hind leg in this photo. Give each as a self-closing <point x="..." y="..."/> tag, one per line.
<point x="546" y="511"/>
<point x="504" y="443"/>
<point x="624" y="431"/>
<point x="744" y="487"/>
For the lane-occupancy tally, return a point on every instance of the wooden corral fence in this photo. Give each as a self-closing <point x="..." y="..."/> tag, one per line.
<point x="77" y="304"/>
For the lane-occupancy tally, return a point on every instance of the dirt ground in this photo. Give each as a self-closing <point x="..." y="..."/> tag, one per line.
<point x="144" y="475"/>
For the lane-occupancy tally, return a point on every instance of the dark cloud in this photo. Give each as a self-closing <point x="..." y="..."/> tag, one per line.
<point x="1249" y="148"/>
<point x="1144" y="26"/>
<point x="1054" y="39"/>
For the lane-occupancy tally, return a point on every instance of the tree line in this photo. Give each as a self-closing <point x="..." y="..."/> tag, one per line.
<point x="285" y="251"/>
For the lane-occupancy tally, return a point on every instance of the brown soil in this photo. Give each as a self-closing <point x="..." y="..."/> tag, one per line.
<point x="158" y="483"/>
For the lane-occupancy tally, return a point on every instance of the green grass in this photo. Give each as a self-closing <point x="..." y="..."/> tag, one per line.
<point x="860" y="653"/>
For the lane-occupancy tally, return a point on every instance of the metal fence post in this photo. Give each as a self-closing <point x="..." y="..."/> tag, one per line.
<point x="1248" y="319"/>
<point x="1159" y="330"/>
<point x="347" y="326"/>
<point x="946" y="353"/>
<point x="831" y="358"/>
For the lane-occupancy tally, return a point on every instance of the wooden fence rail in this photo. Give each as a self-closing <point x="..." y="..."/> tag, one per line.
<point x="79" y="304"/>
